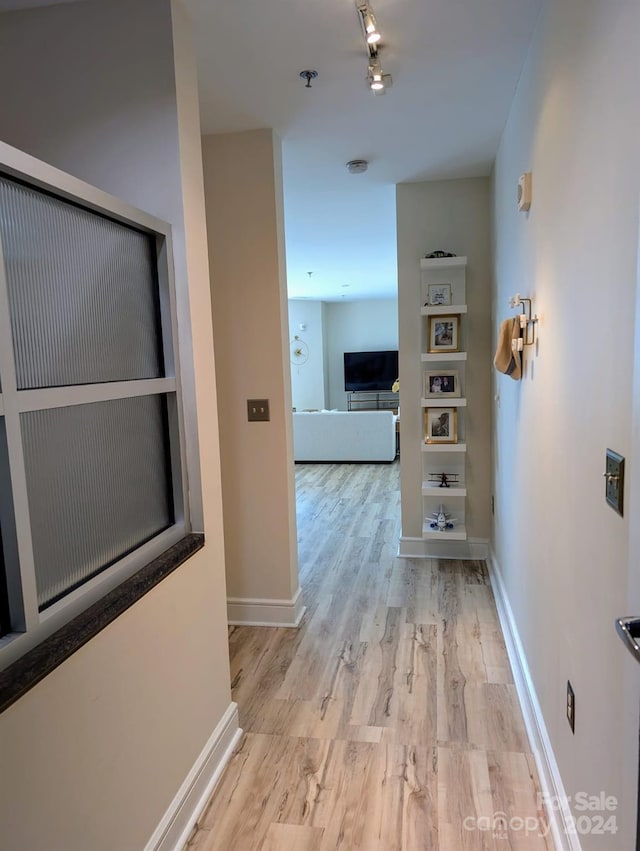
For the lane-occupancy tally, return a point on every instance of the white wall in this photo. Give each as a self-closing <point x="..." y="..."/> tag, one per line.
<point x="93" y="755"/>
<point x="248" y="286"/>
<point x="563" y="553"/>
<point x="448" y="215"/>
<point x="356" y="326"/>
<point x="308" y="379"/>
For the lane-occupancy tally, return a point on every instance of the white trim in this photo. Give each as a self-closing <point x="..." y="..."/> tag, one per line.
<point x="551" y="784"/>
<point x="183" y="812"/>
<point x="21" y="581"/>
<point x="246" y="611"/>
<point x="16" y="163"/>
<point x="86" y="394"/>
<point x="471" y="549"/>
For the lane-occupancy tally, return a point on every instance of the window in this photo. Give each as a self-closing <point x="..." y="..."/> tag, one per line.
<point x="92" y="482"/>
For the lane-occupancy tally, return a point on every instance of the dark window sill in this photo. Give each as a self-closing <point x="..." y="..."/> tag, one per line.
<point x="26" y="672"/>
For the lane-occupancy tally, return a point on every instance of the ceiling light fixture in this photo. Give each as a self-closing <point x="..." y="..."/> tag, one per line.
<point x="372" y="33"/>
<point x="376" y="77"/>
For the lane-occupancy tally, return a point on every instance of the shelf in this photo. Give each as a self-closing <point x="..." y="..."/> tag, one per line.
<point x="433" y="489"/>
<point x="439" y="402"/>
<point x="442" y="357"/>
<point x="448" y="273"/>
<point x="458" y="533"/>
<point x="442" y="262"/>
<point x="443" y="309"/>
<point x="444" y="447"/>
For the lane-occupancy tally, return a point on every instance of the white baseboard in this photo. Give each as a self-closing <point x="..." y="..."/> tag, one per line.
<point x="551" y="784"/>
<point x="472" y="548"/>
<point x="176" y="825"/>
<point x="245" y="611"/>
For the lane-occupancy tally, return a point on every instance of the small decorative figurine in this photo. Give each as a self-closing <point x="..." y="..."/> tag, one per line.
<point x="445" y="479"/>
<point x="440" y="520"/>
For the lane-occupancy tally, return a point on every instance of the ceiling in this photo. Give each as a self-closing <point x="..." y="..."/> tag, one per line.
<point x="455" y="65"/>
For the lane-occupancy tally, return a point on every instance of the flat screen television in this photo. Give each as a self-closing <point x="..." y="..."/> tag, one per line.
<point x="370" y="371"/>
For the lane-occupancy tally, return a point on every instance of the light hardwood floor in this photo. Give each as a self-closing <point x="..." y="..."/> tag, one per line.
<point x="389" y="721"/>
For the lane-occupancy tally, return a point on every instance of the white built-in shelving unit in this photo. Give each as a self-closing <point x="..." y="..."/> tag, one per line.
<point x="450" y="458"/>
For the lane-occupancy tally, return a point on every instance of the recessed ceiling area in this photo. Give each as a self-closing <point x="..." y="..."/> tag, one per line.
<point x="455" y="65"/>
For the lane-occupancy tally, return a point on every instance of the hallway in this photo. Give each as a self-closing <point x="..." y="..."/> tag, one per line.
<point x="389" y="721"/>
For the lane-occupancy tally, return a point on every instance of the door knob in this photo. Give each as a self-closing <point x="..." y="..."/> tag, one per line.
<point x="629" y="631"/>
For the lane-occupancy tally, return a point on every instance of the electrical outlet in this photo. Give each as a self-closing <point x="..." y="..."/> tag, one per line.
<point x="571" y="707"/>
<point x="258" y="410"/>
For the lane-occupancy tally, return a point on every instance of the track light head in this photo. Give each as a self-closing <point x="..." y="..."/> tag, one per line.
<point x="369" y="24"/>
<point x="376" y="76"/>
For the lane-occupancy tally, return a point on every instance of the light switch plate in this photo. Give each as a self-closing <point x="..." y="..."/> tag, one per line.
<point x="258" y="410"/>
<point x="614" y="481"/>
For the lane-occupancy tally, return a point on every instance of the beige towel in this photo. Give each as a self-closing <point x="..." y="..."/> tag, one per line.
<point x="506" y="360"/>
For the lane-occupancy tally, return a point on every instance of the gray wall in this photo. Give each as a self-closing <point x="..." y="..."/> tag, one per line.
<point x="356" y="326"/>
<point x="308" y="379"/>
<point x="563" y="553"/>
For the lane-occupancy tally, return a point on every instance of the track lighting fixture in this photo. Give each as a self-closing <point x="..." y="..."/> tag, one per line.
<point x="376" y="77"/>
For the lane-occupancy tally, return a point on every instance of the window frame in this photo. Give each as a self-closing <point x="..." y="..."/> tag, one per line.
<point x="31" y="625"/>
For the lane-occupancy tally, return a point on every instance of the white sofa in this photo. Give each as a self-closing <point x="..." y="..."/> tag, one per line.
<point x="343" y="436"/>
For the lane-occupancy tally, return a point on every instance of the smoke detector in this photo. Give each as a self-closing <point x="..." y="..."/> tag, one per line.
<point x="357" y="166"/>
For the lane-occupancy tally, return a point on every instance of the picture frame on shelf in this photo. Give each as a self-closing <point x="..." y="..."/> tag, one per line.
<point x="438" y="294"/>
<point x="441" y="383"/>
<point x="440" y="425"/>
<point x="444" y="334"/>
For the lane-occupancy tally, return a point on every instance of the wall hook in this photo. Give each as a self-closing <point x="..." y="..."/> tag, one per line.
<point x="527" y="321"/>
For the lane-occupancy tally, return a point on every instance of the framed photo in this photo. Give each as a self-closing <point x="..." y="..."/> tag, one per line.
<point x="441" y="383"/>
<point x="439" y="294"/>
<point x="444" y="334"/>
<point x="440" y="425"/>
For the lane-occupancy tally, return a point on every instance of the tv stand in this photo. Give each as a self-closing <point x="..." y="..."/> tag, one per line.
<point x="384" y="400"/>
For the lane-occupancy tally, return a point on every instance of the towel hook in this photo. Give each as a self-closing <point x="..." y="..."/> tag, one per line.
<point x="527" y="321"/>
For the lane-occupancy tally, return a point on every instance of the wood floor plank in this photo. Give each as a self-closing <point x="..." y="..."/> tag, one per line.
<point x="464" y="798"/>
<point x="513" y="790"/>
<point x="292" y="837"/>
<point x="414" y="720"/>
<point x="389" y="720"/>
